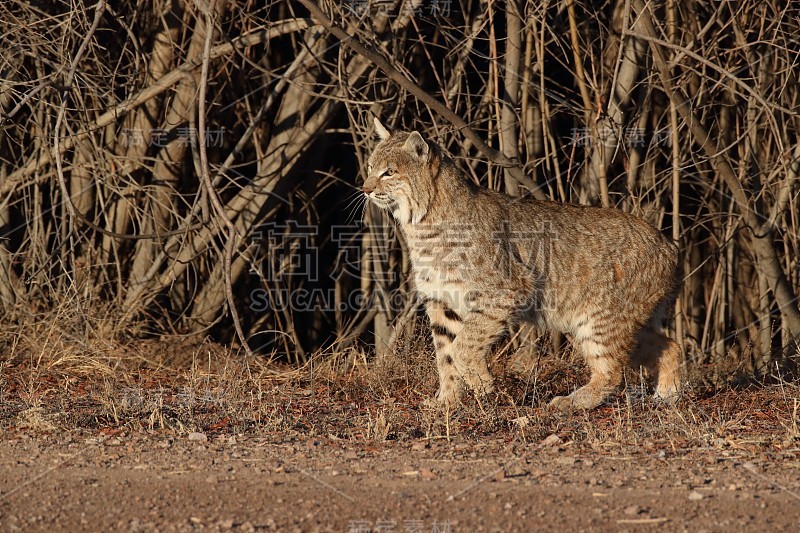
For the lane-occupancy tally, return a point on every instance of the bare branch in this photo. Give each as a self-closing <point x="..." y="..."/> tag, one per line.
<point x="395" y="75"/>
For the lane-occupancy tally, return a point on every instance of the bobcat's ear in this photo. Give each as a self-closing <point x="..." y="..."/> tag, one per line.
<point x="382" y="132"/>
<point x="417" y="146"/>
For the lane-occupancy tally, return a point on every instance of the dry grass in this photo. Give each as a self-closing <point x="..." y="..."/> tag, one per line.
<point x="50" y="382"/>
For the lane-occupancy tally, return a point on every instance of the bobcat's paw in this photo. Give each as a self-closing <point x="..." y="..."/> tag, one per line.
<point x="482" y="386"/>
<point x="446" y="398"/>
<point x="668" y="395"/>
<point x="583" y="398"/>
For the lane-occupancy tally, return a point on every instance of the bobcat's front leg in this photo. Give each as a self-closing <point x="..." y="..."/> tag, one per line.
<point x="471" y="347"/>
<point x="446" y="325"/>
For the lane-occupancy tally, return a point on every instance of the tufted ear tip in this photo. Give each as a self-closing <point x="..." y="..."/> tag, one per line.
<point x="382" y="132"/>
<point x="417" y="146"/>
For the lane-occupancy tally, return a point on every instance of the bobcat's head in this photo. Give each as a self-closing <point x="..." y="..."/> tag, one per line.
<point x="399" y="176"/>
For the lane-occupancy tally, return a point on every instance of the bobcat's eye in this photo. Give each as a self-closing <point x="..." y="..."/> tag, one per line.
<point x="388" y="173"/>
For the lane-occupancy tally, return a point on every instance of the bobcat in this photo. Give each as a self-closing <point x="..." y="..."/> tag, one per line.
<point x="483" y="260"/>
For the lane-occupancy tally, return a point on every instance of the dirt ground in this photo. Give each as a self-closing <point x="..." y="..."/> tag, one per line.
<point x="218" y="443"/>
<point x="144" y="482"/>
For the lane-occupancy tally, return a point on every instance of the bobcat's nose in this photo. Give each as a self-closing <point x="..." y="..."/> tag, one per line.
<point x="367" y="188"/>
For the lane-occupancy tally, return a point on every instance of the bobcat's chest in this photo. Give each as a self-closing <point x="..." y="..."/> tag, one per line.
<point x="441" y="269"/>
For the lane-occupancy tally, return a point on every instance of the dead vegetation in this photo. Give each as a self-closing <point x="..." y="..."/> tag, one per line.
<point x="177" y="387"/>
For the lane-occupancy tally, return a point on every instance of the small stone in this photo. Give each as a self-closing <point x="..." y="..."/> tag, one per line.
<point x="522" y="422"/>
<point x="631" y="510"/>
<point x="427" y="473"/>
<point x="695" y="496"/>
<point x="551" y="440"/>
<point x="197" y="436"/>
<point x="515" y="470"/>
<point x="751" y="467"/>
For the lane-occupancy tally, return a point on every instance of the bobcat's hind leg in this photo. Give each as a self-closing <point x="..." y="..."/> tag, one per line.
<point x="445" y="326"/>
<point x="661" y="357"/>
<point x="606" y="361"/>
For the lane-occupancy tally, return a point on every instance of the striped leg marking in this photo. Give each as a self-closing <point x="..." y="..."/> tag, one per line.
<point x="446" y="324"/>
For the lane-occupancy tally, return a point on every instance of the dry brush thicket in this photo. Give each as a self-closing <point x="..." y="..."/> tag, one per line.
<point x="162" y="159"/>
